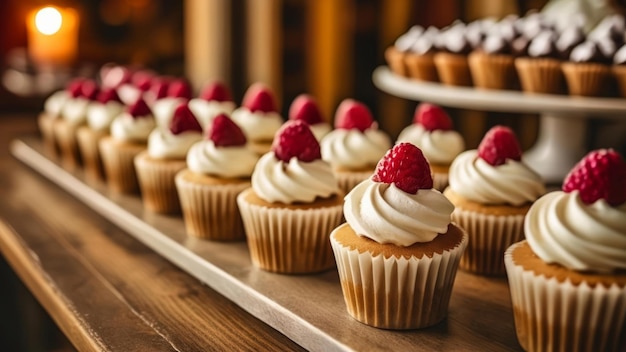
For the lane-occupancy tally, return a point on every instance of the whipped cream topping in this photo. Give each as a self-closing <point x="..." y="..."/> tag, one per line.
<point x="163" y="110"/>
<point x="510" y="183"/>
<point x="127" y="128"/>
<point x="100" y="116"/>
<point x="296" y="181"/>
<point x="386" y="214"/>
<point x="53" y="106"/>
<point x="227" y="162"/>
<point x="561" y="228"/>
<point x="257" y="126"/>
<point x="438" y="146"/>
<point x="406" y="40"/>
<point x="163" y="144"/>
<point x="353" y="149"/>
<point x="75" y="110"/>
<point x="206" y="110"/>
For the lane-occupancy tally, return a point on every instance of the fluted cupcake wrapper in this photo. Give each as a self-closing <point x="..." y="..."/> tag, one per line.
<point x="587" y="79"/>
<point x="88" y="140"/>
<point x="559" y="316"/>
<point x="619" y="74"/>
<point x="290" y="241"/>
<point x="489" y="237"/>
<point x="210" y="211"/>
<point x="45" y="124"/>
<point x="421" y="67"/>
<point x="397" y="293"/>
<point x="453" y="69"/>
<point x="493" y="71"/>
<point x="65" y="135"/>
<point x="540" y="75"/>
<point x="347" y="180"/>
<point x="395" y="60"/>
<point x="119" y="166"/>
<point x="156" y="181"/>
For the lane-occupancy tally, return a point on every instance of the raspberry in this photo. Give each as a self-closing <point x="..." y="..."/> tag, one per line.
<point x="295" y="139"/>
<point x="216" y="91"/>
<point x="353" y="114"/>
<point x="225" y="133"/>
<point x="179" y="88"/>
<point x="184" y="120"/>
<point x="601" y="174"/>
<point x="499" y="144"/>
<point x="142" y="79"/>
<point x="75" y="87"/>
<point x="159" y="87"/>
<point x="139" y="109"/>
<point x="259" y="98"/>
<point x="406" y="167"/>
<point x="432" y="117"/>
<point x="108" y="95"/>
<point x="89" y="89"/>
<point x="305" y="108"/>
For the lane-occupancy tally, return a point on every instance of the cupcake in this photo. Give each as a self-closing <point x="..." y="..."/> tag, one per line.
<point x="568" y="279"/>
<point x="540" y="70"/>
<point x="432" y="132"/>
<point x="215" y="99"/>
<point x="100" y="115"/>
<point x="178" y="92"/>
<point x="218" y="169"/>
<point x="74" y="115"/>
<point x="128" y="137"/>
<point x="492" y="66"/>
<point x="293" y="205"/>
<point x="587" y="72"/>
<point x="356" y="144"/>
<point x="398" y="253"/>
<point x="258" y="117"/>
<point x="618" y="69"/>
<point x="167" y="150"/>
<point x="492" y="190"/>
<point x="451" y="60"/>
<point x="396" y="54"/>
<point x="51" y="113"/>
<point x="420" y="58"/>
<point x="305" y="108"/>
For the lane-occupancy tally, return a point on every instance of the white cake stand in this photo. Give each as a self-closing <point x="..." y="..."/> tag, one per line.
<point x="561" y="140"/>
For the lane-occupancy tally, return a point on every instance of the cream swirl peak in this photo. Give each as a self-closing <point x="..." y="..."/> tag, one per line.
<point x="439" y="146"/>
<point x="258" y="116"/>
<point x="353" y="149"/>
<point x="55" y="102"/>
<point x="101" y="113"/>
<point x="163" y="144"/>
<point x="214" y="99"/>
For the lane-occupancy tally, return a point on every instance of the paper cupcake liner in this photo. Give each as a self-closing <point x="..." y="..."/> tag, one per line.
<point x="395" y="60"/>
<point x="45" y="124"/>
<point x="88" y="140"/>
<point x="587" y="79"/>
<point x="539" y="75"/>
<point x="347" y="180"/>
<point x="396" y="293"/>
<point x="289" y="241"/>
<point x="559" y="316"/>
<point x="119" y="166"/>
<point x="493" y="71"/>
<point x="453" y="69"/>
<point x="65" y="135"/>
<point x="421" y="67"/>
<point x="489" y="237"/>
<point x="619" y="75"/>
<point x="157" y="185"/>
<point x="210" y="211"/>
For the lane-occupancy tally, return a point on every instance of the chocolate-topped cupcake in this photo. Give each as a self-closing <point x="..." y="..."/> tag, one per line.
<point x="540" y="70"/>
<point x="619" y="69"/>
<point x="451" y="62"/>
<point x="587" y="72"/>
<point x="419" y="59"/>
<point x="492" y="65"/>
<point x="396" y="54"/>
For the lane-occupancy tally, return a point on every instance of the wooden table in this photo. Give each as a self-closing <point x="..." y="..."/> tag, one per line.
<point x="107" y="291"/>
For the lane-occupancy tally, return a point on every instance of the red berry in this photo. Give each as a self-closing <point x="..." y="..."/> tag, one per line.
<point x="89" y="89"/>
<point x="353" y="114"/>
<point x="116" y="76"/>
<point x="601" y="174"/>
<point x="295" y="139"/>
<point x="74" y="87"/>
<point x="305" y="108"/>
<point x="108" y="95"/>
<point x="159" y="87"/>
<point x="499" y="144"/>
<point x="225" y="133"/>
<point x="139" y="109"/>
<point x="179" y="88"/>
<point x="184" y="120"/>
<point x="405" y="166"/>
<point x="143" y="79"/>
<point x="432" y="117"/>
<point x="216" y="91"/>
<point x="259" y="98"/>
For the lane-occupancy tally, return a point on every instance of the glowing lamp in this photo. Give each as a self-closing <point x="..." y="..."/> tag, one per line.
<point x="53" y="36"/>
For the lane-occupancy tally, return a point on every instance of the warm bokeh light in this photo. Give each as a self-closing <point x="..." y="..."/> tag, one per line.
<point x="48" y="20"/>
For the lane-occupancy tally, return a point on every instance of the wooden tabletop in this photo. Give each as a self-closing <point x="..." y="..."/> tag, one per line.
<point x="104" y="289"/>
<point x="107" y="291"/>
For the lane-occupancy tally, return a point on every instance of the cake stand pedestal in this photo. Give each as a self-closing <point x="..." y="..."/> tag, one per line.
<point x="563" y="119"/>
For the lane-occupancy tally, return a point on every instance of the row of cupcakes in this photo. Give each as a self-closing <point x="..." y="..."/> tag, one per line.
<point x="529" y="53"/>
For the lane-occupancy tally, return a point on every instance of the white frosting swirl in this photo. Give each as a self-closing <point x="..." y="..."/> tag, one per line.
<point x="126" y="128"/>
<point x="510" y="183"/>
<point x="206" y="110"/>
<point x="53" y="106"/>
<point x="296" y="181"/>
<point x="228" y="162"/>
<point x="100" y="116"/>
<point x="386" y="214"/>
<point x="438" y="146"/>
<point x="163" y="144"/>
<point x="561" y="228"/>
<point x="257" y="126"/>
<point x="75" y="110"/>
<point x="353" y="149"/>
<point x="163" y="110"/>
